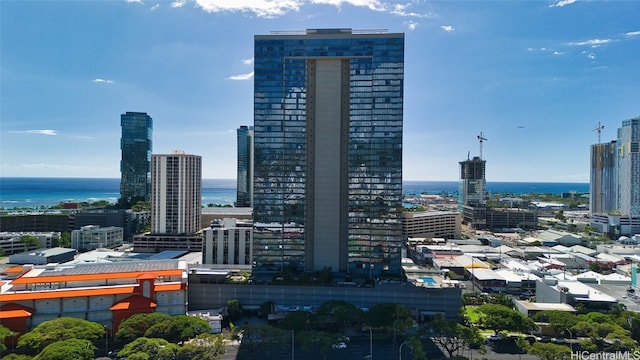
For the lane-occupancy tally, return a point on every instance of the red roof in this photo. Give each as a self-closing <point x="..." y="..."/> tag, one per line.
<point x="135" y="302"/>
<point x="10" y="311"/>
<point x="98" y="276"/>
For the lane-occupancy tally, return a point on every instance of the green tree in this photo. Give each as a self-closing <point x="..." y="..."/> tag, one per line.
<point x="547" y="351"/>
<point x="14" y="356"/>
<point x="141" y="206"/>
<point x="450" y="335"/>
<point x="137" y="325"/>
<point x="64" y="240"/>
<point x="523" y="344"/>
<point x="70" y="349"/>
<point x="234" y="310"/>
<point x="5" y="332"/>
<point x="203" y="347"/>
<point x="297" y="321"/>
<point x="30" y="241"/>
<point x="264" y="337"/>
<point x="178" y="328"/>
<point x="321" y="341"/>
<point x="559" y="321"/>
<point x="335" y="315"/>
<point x="393" y="318"/>
<point x="59" y="329"/>
<point x="501" y="318"/>
<point x="148" y="348"/>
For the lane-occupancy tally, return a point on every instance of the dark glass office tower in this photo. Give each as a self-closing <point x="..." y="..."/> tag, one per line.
<point x="135" y="164"/>
<point x="328" y="151"/>
<point x="244" y="192"/>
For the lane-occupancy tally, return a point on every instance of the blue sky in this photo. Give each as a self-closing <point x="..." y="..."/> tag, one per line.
<point x="535" y="77"/>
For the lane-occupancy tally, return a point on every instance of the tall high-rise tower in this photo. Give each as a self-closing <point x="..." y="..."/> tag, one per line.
<point x="244" y="196"/>
<point x="615" y="182"/>
<point x="473" y="185"/>
<point x="328" y="151"/>
<point x="176" y="193"/>
<point x="135" y="163"/>
<point x="603" y="180"/>
<point x="628" y="198"/>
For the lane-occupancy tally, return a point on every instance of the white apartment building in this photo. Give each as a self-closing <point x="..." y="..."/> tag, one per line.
<point x="228" y="241"/>
<point x="92" y="237"/>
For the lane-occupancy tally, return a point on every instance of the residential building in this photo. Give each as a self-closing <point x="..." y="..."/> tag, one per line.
<point x="176" y="197"/>
<point x="135" y="164"/>
<point x="244" y="195"/>
<point x="473" y="185"/>
<point x="615" y="183"/>
<point x="602" y="184"/>
<point x="628" y="166"/>
<point x="176" y="193"/>
<point x="328" y="151"/>
<point x="92" y="237"/>
<point x="228" y="241"/>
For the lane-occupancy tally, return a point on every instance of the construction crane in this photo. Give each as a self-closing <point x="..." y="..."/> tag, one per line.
<point x="599" y="130"/>
<point x="481" y="138"/>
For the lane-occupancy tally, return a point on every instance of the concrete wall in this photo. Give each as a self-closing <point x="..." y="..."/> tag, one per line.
<point x="212" y="296"/>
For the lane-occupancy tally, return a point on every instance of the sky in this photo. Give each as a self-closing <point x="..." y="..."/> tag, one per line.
<point x="535" y="78"/>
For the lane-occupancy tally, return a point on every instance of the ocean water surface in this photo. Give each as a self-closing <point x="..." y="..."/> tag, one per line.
<point x="18" y="192"/>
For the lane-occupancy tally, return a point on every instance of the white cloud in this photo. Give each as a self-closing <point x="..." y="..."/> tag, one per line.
<point x="261" y="8"/>
<point x="374" y="5"/>
<point x="592" y="43"/>
<point x="102" y="81"/>
<point x="412" y="25"/>
<point x="633" y="33"/>
<point x="155" y="7"/>
<point x="402" y="10"/>
<point x="247" y="76"/>
<point x="562" y="3"/>
<point x="558" y="52"/>
<point x="447" y="28"/>
<point x="592" y="56"/>
<point x="247" y="61"/>
<point x="134" y="1"/>
<point x="178" y="3"/>
<point x="38" y="132"/>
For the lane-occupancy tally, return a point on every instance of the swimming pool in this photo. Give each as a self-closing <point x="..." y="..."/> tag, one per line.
<point x="428" y="280"/>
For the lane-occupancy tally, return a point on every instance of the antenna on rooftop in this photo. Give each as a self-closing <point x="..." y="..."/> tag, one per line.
<point x="481" y="138"/>
<point x="599" y="130"/>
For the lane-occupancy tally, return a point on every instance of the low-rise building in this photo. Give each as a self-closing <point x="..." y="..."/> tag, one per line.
<point x="43" y="256"/>
<point x="92" y="237"/>
<point x="103" y="293"/>
<point x="439" y="224"/>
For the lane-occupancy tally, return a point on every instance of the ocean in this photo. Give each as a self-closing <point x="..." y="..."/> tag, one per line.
<point x="33" y="193"/>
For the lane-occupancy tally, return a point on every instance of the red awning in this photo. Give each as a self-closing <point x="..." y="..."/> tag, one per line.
<point x="135" y="302"/>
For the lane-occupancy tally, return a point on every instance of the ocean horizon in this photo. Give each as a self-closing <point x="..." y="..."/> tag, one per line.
<point x="36" y="192"/>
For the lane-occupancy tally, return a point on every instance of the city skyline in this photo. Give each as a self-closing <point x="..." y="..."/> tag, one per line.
<point x="534" y="77"/>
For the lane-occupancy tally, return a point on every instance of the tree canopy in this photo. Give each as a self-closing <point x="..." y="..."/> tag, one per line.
<point x="59" y="329"/>
<point x="70" y="349"/>
<point x="150" y="349"/>
<point x="548" y="351"/>
<point x="137" y="325"/>
<point x="501" y="318"/>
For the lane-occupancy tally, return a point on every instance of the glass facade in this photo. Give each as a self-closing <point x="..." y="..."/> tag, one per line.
<point x="135" y="164"/>
<point x="244" y="195"/>
<point x="328" y="109"/>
